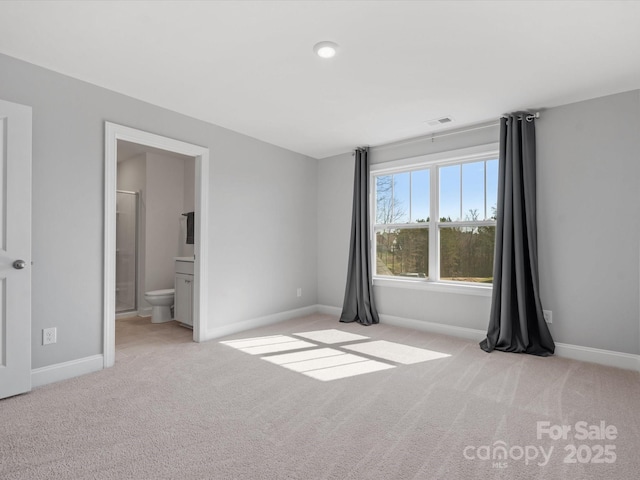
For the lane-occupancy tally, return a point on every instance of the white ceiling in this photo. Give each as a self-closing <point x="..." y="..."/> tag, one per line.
<point x="249" y="65"/>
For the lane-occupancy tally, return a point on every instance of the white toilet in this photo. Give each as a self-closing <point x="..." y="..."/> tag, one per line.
<point x="160" y="301"/>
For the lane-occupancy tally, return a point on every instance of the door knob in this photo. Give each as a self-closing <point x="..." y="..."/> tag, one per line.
<point x="19" y="264"/>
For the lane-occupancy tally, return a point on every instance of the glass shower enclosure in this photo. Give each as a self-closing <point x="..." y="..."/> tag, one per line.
<point x="126" y="251"/>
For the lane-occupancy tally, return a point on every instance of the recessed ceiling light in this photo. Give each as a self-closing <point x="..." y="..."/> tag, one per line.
<point x="326" y="49"/>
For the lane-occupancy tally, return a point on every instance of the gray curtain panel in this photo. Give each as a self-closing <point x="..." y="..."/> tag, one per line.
<point x="359" y="305"/>
<point x="516" y="323"/>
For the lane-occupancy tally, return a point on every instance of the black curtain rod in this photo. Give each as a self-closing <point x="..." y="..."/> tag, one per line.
<point x="528" y="117"/>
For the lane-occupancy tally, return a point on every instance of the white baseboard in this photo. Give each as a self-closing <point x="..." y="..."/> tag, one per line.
<point x="63" y="371"/>
<point x="326" y="309"/>
<point x="259" y="322"/>
<point x="432" y="327"/>
<point x="422" y="325"/>
<point x="144" y="312"/>
<point x="610" y="358"/>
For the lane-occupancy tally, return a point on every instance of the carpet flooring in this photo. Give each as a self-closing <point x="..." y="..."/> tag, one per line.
<point x="396" y="404"/>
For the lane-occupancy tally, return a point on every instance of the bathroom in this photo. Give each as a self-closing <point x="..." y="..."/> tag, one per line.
<point x="155" y="194"/>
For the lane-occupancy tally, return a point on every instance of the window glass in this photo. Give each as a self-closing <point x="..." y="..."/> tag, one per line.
<point x="473" y="191"/>
<point x="403" y="252"/>
<point x="492" y="189"/>
<point x="466" y="254"/>
<point x="420" y="189"/>
<point x="449" y="193"/>
<point x="384" y="196"/>
<point x="401" y="197"/>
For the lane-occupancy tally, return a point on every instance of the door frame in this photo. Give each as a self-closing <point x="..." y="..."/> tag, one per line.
<point x="113" y="133"/>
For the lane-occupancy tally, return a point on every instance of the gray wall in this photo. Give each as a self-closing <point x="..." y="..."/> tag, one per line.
<point x="263" y="205"/>
<point x="264" y="218"/>
<point x="588" y="171"/>
<point x="335" y="197"/>
<point x="164" y="205"/>
<point x="589" y="221"/>
<point x="187" y="250"/>
<point x="280" y="220"/>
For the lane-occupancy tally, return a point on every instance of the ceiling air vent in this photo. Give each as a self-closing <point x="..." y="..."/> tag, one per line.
<point x="439" y="121"/>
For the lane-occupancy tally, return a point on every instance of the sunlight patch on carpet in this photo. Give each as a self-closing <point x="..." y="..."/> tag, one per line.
<point x="349" y="370"/>
<point x="285" y="358"/>
<point x="327" y="363"/>
<point x="324" y="363"/>
<point x="396" y="352"/>
<point x="321" y="362"/>
<point x="256" y="341"/>
<point x="271" y="344"/>
<point x="331" y="336"/>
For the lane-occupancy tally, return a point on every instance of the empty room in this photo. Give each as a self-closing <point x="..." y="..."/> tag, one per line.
<point x="390" y="240"/>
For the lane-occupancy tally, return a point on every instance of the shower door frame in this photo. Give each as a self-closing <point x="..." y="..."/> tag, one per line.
<point x="113" y="133"/>
<point x="136" y="247"/>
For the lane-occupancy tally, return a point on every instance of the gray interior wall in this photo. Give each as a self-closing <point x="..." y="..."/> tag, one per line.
<point x="265" y="216"/>
<point x="263" y="204"/>
<point x="335" y="197"/>
<point x="132" y="174"/>
<point x="187" y="250"/>
<point x="588" y="171"/>
<point x="164" y="202"/>
<point x="589" y="221"/>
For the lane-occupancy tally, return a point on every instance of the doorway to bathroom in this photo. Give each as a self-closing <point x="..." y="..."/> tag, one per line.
<point x="155" y="219"/>
<point x="154" y="147"/>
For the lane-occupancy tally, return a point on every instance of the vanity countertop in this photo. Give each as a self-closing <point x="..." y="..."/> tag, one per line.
<point x="183" y="259"/>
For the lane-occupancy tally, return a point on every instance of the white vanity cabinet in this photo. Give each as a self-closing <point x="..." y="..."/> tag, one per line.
<point x="183" y="302"/>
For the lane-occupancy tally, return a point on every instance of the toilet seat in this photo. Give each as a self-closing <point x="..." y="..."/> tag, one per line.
<point x="157" y="293"/>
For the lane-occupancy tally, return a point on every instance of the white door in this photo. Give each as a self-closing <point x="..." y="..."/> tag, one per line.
<point x="15" y="249"/>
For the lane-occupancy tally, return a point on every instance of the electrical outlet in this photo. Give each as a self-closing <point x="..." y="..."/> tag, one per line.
<point x="548" y="316"/>
<point x="299" y="292"/>
<point x="49" y="335"/>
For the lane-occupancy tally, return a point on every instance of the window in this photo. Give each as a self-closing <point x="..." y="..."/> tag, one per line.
<point x="434" y="218"/>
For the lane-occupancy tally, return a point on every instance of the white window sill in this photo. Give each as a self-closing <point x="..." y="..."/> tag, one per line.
<point x="444" y="287"/>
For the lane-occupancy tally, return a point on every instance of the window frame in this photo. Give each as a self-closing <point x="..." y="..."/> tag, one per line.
<point x="433" y="162"/>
